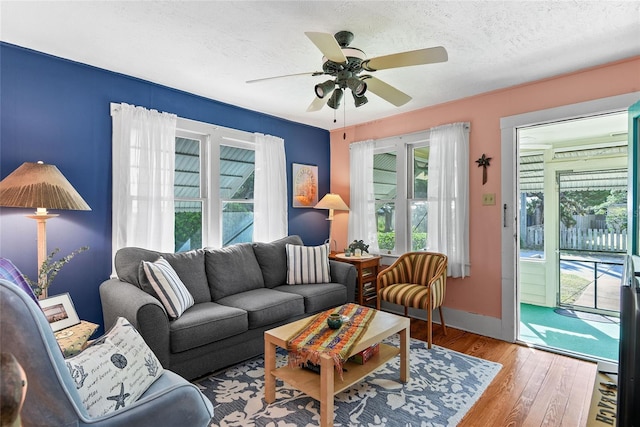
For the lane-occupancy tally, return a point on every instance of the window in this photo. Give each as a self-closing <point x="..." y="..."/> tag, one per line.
<point x="419" y="162"/>
<point x="237" y="171"/>
<point x="195" y="178"/>
<point x="385" y="186"/>
<point x="213" y="186"/>
<point x="400" y="168"/>
<point x="187" y="188"/>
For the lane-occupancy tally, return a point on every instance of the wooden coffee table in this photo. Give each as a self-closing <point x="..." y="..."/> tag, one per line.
<point x="324" y="386"/>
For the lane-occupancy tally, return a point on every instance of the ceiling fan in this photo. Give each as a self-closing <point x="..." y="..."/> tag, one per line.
<point x="345" y="65"/>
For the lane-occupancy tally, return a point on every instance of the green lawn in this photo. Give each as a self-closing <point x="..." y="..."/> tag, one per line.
<point x="571" y="287"/>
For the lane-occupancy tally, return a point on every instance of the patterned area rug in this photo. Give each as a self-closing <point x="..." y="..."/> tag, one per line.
<point x="444" y="385"/>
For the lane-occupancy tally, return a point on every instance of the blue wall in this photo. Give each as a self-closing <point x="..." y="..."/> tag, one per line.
<point x="57" y="111"/>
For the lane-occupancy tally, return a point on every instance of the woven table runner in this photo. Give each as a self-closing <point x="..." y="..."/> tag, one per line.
<point x="316" y="338"/>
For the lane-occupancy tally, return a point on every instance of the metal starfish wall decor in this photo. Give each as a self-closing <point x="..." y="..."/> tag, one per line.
<point x="484" y="162"/>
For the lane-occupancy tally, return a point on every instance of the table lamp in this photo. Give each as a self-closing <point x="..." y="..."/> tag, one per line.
<point x="40" y="186"/>
<point x="331" y="201"/>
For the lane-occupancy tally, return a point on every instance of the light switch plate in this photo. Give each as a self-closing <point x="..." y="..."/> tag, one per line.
<point x="488" y="199"/>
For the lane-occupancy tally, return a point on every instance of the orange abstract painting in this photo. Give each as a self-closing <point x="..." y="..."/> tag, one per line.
<point x="305" y="186"/>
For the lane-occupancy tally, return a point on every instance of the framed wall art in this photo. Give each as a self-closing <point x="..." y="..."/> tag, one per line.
<point x="305" y="185"/>
<point x="59" y="311"/>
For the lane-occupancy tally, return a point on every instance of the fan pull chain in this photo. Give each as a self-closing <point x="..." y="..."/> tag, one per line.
<point x="344" y="121"/>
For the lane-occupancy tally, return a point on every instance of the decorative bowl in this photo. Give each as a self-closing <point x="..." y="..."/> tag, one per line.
<point x="334" y="320"/>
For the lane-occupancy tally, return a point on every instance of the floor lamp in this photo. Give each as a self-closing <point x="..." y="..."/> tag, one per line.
<point x="332" y="202"/>
<point x="40" y="186"/>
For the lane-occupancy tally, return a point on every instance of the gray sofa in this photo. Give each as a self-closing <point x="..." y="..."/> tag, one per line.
<point x="239" y="291"/>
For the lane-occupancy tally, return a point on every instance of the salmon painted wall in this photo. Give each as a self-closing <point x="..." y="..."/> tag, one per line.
<point x="481" y="292"/>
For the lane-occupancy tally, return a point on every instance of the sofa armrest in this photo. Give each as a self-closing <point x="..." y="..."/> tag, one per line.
<point x="143" y="311"/>
<point x="342" y="272"/>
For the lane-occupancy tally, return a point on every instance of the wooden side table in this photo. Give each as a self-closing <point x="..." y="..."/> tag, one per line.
<point x="73" y="339"/>
<point x="367" y="268"/>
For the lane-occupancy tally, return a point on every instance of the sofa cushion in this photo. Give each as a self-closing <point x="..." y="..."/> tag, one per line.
<point x="188" y="265"/>
<point x="307" y="264"/>
<point x="266" y="306"/>
<point x="318" y="297"/>
<point x="115" y="370"/>
<point x="191" y="270"/>
<point x="232" y="270"/>
<point x="173" y="294"/>
<point x="128" y="262"/>
<point x="206" y="323"/>
<point x="272" y="258"/>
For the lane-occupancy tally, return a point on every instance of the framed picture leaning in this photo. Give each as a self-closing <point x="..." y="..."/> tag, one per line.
<point x="59" y="311"/>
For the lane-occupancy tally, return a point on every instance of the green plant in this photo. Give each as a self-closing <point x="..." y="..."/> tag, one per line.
<point x="386" y="241"/>
<point x="49" y="270"/>
<point x="418" y="241"/>
<point x="188" y="228"/>
<point x="359" y="244"/>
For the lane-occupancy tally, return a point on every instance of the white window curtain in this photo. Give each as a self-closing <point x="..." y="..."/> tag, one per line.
<point x="448" y="196"/>
<point x="143" y="172"/>
<point x="270" y="190"/>
<point x="362" y="218"/>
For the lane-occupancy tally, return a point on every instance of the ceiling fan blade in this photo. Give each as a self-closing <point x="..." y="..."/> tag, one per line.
<point x="386" y="91"/>
<point x="317" y="104"/>
<point x="313" y="73"/>
<point x="328" y="46"/>
<point x="429" y="55"/>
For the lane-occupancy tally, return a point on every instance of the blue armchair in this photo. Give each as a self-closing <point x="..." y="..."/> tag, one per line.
<point x="52" y="399"/>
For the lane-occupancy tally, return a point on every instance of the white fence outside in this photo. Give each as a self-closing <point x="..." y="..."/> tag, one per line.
<point x="593" y="239"/>
<point x="580" y="239"/>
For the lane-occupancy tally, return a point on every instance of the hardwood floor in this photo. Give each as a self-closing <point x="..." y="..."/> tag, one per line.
<point x="533" y="388"/>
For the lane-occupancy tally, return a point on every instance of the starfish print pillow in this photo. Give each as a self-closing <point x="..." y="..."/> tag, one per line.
<point x="115" y="370"/>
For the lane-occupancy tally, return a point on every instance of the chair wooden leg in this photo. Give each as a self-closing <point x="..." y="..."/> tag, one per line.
<point x="378" y="302"/>
<point x="444" y="327"/>
<point x="406" y="311"/>
<point x="429" y="325"/>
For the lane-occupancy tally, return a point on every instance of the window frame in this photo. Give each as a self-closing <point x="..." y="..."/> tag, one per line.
<point x="411" y="198"/>
<point x="204" y="187"/>
<point x="403" y="146"/>
<point x="212" y="137"/>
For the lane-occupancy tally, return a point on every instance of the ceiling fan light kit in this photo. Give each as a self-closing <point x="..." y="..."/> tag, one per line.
<point x="344" y="63"/>
<point x="336" y="97"/>
<point x="357" y="86"/>
<point x="323" y="89"/>
<point x="359" y="100"/>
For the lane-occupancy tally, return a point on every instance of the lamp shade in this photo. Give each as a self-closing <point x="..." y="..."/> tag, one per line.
<point x="38" y="185"/>
<point x="332" y="201"/>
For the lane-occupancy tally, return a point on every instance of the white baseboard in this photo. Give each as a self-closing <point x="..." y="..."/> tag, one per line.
<point x="463" y="320"/>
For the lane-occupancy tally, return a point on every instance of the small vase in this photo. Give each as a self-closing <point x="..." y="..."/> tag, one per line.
<point x="334" y="320"/>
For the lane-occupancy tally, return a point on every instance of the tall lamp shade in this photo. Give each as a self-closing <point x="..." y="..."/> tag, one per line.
<point x="332" y="202"/>
<point x="40" y="186"/>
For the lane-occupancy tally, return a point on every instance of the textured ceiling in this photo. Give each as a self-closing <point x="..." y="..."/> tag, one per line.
<point x="213" y="48"/>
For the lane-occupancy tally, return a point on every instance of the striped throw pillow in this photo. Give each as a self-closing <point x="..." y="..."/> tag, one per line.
<point x="173" y="294"/>
<point x="307" y="264"/>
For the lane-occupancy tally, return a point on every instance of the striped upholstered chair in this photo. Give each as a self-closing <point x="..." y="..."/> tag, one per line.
<point x="416" y="280"/>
